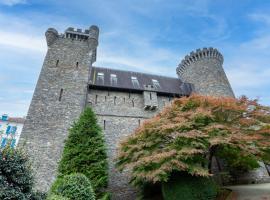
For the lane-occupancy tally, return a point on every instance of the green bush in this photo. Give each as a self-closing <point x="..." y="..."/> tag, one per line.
<point x="85" y="152"/>
<point x="186" y="187"/>
<point x="74" y="187"/>
<point x="16" y="180"/>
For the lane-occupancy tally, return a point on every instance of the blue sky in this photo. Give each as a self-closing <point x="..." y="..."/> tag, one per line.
<point x="149" y="36"/>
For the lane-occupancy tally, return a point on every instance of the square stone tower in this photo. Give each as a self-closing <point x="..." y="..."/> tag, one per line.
<point x="59" y="98"/>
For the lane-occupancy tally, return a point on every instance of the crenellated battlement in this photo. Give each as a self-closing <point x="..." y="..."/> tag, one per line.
<point x="205" y="53"/>
<point x="90" y="35"/>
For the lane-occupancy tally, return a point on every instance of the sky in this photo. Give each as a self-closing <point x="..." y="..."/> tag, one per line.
<point x="150" y="36"/>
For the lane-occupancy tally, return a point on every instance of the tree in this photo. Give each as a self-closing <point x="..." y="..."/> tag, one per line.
<point x="16" y="180"/>
<point x="187" y="134"/>
<point x="84" y="151"/>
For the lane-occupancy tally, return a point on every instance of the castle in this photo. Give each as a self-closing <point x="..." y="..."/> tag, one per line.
<point x="122" y="100"/>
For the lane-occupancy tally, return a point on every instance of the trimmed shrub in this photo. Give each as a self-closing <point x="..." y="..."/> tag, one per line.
<point x="186" y="187"/>
<point x="16" y="179"/>
<point x="85" y="152"/>
<point x="74" y="187"/>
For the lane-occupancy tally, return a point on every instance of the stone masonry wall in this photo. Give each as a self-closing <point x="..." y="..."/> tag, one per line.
<point x="204" y="70"/>
<point x="58" y="100"/>
<point x="119" y="114"/>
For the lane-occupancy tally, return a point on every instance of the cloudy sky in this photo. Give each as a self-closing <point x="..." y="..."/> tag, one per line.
<point x="149" y="36"/>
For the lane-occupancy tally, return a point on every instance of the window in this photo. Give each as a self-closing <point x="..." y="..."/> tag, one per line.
<point x="13" y="143"/>
<point x="155" y="83"/>
<point x="104" y="124"/>
<point x="4" y="142"/>
<point x="8" y="131"/>
<point x="57" y="62"/>
<point x="13" y="130"/>
<point x="113" y="80"/>
<point x="77" y="65"/>
<point x="135" y="82"/>
<point x="61" y="94"/>
<point x="100" y="78"/>
<point x="114" y="100"/>
<point x="96" y="99"/>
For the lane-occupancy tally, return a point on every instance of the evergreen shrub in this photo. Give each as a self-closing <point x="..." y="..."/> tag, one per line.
<point x="74" y="187"/>
<point x="84" y="152"/>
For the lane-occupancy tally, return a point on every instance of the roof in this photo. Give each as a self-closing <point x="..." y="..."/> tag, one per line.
<point x="167" y="85"/>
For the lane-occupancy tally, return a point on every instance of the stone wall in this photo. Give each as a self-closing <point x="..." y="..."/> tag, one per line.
<point x="119" y="114"/>
<point x="59" y="97"/>
<point x="204" y="70"/>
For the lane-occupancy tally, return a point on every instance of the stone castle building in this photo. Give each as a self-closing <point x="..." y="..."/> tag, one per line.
<point x="68" y="82"/>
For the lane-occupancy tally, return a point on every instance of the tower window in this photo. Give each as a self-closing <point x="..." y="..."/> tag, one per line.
<point x="133" y="104"/>
<point x="96" y="99"/>
<point x="104" y="124"/>
<point x="100" y="78"/>
<point x="114" y="100"/>
<point x="57" y="62"/>
<point x="150" y="96"/>
<point x="113" y="80"/>
<point x="61" y="94"/>
<point x="77" y="65"/>
<point x="135" y="82"/>
<point x="155" y="83"/>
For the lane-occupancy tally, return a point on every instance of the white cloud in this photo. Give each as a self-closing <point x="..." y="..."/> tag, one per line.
<point x="12" y="2"/>
<point x="24" y="41"/>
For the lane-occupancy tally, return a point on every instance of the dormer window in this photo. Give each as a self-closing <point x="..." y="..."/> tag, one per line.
<point x="155" y="83"/>
<point x="100" y="78"/>
<point x="135" y="82"/>
<point x="113" y="80"/>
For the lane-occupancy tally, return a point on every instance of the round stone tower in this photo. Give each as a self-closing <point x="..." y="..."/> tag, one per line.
<point x="204" y="70"/>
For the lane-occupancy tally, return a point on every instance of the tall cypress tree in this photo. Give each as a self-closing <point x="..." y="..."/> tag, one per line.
<point x="85" y="152"/>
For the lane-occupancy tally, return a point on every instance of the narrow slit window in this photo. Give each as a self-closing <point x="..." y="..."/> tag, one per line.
<point x="105" y="98"/>
<point x="114" y="100"/>
<point x="150" y="96"/>
<point x="96" y="99"/>
<point x="133" y="104"/>
<point x="77" y="65"/>
<point x="104" y="124"/>
<point x="61" y="94"/>
<point x="124" y="100"/>
<point x="57" y="62"/>
<point x="139" y="121"/>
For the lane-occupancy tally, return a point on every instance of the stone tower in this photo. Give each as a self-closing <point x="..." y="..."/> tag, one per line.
<point x="204" y="70"/>
<point x="58" y="99"/>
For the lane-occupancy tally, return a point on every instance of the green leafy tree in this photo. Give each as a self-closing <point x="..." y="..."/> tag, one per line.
<point x="16" y="180"/>
<point x="73" y="187"/>
<point x="85" y="152"/>
<point x="187" y="134"/>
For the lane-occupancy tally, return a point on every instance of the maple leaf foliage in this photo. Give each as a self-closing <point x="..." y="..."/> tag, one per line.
<point x="189" y="132"/>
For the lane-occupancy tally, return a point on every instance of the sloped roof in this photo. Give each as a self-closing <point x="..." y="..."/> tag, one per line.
<point x="167" y="85"/>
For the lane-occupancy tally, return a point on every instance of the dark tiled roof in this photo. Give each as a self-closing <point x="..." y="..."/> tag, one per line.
<point x="167" y="85"/>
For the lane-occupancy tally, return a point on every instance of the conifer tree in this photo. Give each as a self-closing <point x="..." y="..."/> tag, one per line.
<point x="84" y="151"/>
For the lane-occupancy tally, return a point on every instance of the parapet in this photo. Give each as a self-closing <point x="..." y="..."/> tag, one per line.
<point x="205" y="53"/>
<point x="78" y="34"/>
